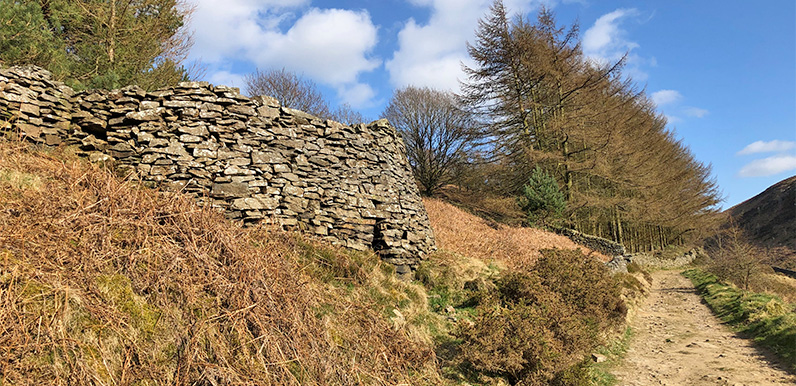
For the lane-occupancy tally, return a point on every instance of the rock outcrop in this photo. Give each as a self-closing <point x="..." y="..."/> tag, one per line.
<point x="256" y="160"/>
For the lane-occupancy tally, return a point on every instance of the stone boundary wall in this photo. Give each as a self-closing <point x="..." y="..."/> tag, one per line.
<point x="651" y="261"/>
<point x="599" y="244"/>
<point x="259" y="162"/>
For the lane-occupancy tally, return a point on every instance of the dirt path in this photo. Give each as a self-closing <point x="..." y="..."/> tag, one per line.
<point x="678" y="341"/>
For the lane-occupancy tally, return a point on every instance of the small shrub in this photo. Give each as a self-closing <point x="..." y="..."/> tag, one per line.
<point x="634" y="268"/>
<point x="542" y="198"/>
<point x="629" y="282"/>
<point x="737" y="261"/>
<point x="528" y="341"/>
<point x="584" y="282"/>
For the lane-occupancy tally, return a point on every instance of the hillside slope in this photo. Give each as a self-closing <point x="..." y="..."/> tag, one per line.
<point x="769" y="218"/>
<point x="104" y="282"/>
<point x="519" y="247"/>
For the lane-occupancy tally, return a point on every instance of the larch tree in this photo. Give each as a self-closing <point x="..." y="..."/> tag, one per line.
<point x="530" y="80"/>
<point x="624" y="174"/>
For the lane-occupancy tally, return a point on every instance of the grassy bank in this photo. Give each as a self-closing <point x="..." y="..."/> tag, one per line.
<point x="766" y="318"/>
<point x="105" y="282"/>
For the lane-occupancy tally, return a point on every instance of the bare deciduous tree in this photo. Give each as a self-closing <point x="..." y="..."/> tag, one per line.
<point x="438" y="134"/>
<point x="290" y="89"/>
<point x="736" y="259"/>
<point x="297" y="92"/>
<point x="346" y="114"/>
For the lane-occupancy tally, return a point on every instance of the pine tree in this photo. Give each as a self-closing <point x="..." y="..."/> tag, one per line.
<point x="542" y="198"/>
<point x="26" y="38"/>
<point x="98" y="43"/>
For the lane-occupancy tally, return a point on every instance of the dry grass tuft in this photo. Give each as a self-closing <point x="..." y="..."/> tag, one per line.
<point x="103" y="282"/>
<point x="518" y="247"/>
<point x="487" y="205"/>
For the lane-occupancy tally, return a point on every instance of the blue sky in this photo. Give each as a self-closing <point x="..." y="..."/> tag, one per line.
<point x="723" y="72"/>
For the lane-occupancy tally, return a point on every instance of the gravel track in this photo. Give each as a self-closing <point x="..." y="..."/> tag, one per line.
<point x="678" y="341"/>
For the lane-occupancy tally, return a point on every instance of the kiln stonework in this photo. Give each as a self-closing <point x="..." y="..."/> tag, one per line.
<point x="259" y="162"/>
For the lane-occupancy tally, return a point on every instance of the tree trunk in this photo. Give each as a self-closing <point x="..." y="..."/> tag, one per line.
<point x="111" y="34"/>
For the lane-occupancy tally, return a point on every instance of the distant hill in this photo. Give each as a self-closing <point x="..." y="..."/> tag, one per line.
<point x="769" y="218"/>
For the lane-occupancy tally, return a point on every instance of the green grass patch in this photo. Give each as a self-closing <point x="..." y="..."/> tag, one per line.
<point x="766" y="318"/>
<point x="614" y="351"/>
<point x="20" y="180"/>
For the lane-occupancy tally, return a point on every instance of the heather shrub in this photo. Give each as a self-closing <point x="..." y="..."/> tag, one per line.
<point x="583" y="282"/>
<point x="536" y="326"/>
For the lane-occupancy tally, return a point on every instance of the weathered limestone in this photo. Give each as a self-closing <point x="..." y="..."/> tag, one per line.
<point x="256" y="160"/>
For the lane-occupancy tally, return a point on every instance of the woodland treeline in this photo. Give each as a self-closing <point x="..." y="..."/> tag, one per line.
<point x="533" y="100"/>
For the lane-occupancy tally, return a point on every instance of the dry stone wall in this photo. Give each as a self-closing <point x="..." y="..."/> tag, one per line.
<point x="259" y="162"/>
<point x="599" y="244"/>
<point x="653" y="260"/>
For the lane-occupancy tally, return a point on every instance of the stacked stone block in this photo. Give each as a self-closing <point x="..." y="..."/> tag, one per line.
<point x="256" y="160"/>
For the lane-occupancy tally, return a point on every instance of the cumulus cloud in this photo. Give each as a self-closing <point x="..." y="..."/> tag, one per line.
<point x="767" y="147"/>
<point x="769" y="166"/>
<point x="230" y="27"/>
<point x="665" y="97"/>
<point x="696" y="112"/>
<point x="606" y="41"/>
<point x="330" y="46"/>
<point x="357" y="94"/>
<point x="431" y="54"/>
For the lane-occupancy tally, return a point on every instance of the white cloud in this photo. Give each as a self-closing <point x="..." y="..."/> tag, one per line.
<point x="431" y="54"/>
<point x="665" y="97"/>
<point x="226" y="78"/>
<point x="330" y="46"/>
<point x="357" y="94"/>
<point x="671" y="119"/>
<point x="769" y="166"/>
<point x="223" y="28"/>
<point x="767" y="147"/>
<point x="605" y="41"/>
<point x="696" y="112"/>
